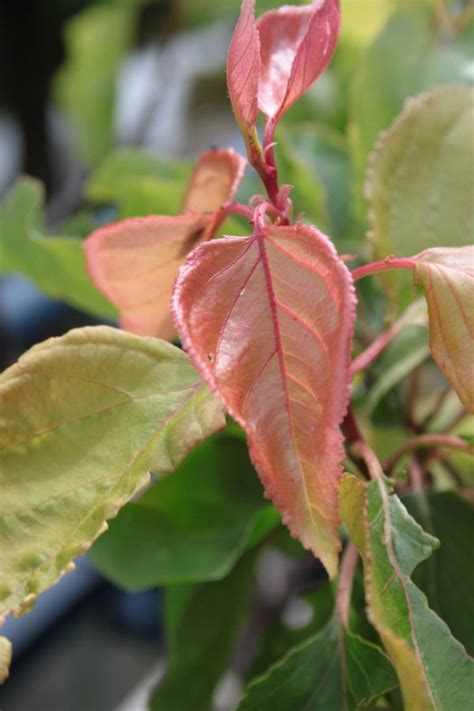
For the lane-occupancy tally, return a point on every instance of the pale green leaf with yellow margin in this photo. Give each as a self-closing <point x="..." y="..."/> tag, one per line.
<point x="83" y="420"/>
<point x="435" y="672"/>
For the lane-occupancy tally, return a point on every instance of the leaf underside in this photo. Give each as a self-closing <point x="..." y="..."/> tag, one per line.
<point x="83" y="419"/>
<point x="246" y="309"/>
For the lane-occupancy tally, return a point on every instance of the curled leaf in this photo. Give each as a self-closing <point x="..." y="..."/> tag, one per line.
<point x="447" y="277"/>
<point x="274" y="60"/>
<point x="297" y="44"/>
<point x="83" y="420"/>
<point x="134" y="262"/>
<point x="246" y="309"/>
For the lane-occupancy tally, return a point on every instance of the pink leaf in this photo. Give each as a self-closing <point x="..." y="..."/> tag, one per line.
<point x="297" y="44"/>
<point x="215" y="180"/>
<point x="135" y="262"/>
<point x="243" y="62"/>
<point x="268" y="321"/>
<point x="447" y="276"/>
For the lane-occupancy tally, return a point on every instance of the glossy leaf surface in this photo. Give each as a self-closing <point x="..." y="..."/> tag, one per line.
<point x="447" y="277"/>
<point x="334" y="670"/>
<point x="135" y="261"/>
<point x="420" y="182"/>
<point x="391" y="545"/>
<point x="54" y="264"/>
<point x="192" y="526"/>
<point x="247" y="309"/>
<point x="297" y="44"/>
<point x="83" y="419"/>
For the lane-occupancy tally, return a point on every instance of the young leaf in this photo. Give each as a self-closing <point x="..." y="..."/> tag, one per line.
<point x="83" y="419"/>
<point x="243" y="68"/>
<point x="135" y="261"/>
<point x="5" y="658"/>
<point x="181" y="533"/>
<point x="333" y="670"/>
<point x="245" y="308"/>
<point x="55" y="264"/>
<point x="433" y="668"/>
<point x="420" y="180"/>
<point x="272" y="62"/>
<point x="447" y="277"/>
<point x="204" y="639"/>
<point x="297" y="44"/>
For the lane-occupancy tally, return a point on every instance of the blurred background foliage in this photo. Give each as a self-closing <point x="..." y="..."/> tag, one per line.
<point x="104" y="105"/>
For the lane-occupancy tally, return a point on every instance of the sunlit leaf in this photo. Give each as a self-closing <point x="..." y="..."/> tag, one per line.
<point x="447" y="277"/>
<point x="83" y="419"/>
<point x="215" y="180"/>
<point x="245" y="307"/>
<point x="55" y="264"/>
<point x="434" y="670"/>
<point x="334" y="670"/>
<point x="243" y="68"/>
<point x="192" y="526"/>
<point x="420" y="183"/>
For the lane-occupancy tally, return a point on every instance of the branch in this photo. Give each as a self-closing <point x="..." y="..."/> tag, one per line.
<point x="428" y="441"/>
<point x="386" y="265"/>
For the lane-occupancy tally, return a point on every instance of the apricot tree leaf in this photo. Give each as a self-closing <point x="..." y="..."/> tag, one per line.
<point x="245" y="307"/>
<point x="83" y="420"/>
<point x="434" y="670"/>
<point x="447" y="277"/>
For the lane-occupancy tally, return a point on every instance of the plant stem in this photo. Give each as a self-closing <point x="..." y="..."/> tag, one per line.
<point x="428" y="441"/>
<point x="236" y="208"/>
<point x="345" y="583"/>
<point x="385" y="265"/>
<point x="365" y="358"/>
<point x="371" y="459"/>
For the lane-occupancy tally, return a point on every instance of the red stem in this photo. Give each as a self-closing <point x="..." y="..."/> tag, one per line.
<point x="365" y="358"/>
<point x="345" y="584"/>
<point x="383" y="266"/>
<point x="428" y="441"/>
<point x="236" y="208"/>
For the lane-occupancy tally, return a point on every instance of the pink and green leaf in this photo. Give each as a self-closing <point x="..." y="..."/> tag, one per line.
<point x="243" y="68"/>
<point x="134" y="262"/>
<point x="247" y="309"/>
<point x="447" y="277"/>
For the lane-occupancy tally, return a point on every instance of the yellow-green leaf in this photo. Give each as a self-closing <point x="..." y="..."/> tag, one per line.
<point x="5" y="658"/>
<point x="447" y="277"/>
<point x="83" y="419"/>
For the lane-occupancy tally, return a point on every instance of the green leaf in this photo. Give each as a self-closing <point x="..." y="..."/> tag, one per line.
<point x="434" y="670"/>
<point x="420" y="180"/>
<point x="96" y="41"/>
<point x="411" y="54"/>
<point x="5" y="658"/>
<point x="140" y="184"/>
<point x="192" y="526"/>
<point x="447" y="577"/>
<point x="55" y="264"/>
<point x="334" y="670"/>
<point x="83" y="419"/>
<point x="205" y="633"/>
